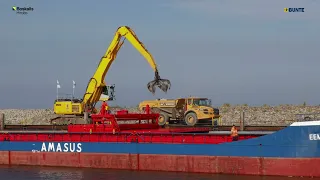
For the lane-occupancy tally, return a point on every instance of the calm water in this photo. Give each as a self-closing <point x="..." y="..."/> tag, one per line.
<point x="49" y="173"/>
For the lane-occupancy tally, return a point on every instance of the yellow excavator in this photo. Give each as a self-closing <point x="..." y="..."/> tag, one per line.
<point x="73" y="110"/>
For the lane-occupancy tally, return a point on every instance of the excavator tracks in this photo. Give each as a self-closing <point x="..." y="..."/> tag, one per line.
<point x="67" y="119"/>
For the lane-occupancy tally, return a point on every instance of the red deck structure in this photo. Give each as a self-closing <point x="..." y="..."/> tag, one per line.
<point x="123" y="121"/>
<point x="124" y="127"/>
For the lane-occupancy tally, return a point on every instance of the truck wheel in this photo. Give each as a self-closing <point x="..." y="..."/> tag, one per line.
<point x="191" y="119"/>
<point x="163" y="118"/>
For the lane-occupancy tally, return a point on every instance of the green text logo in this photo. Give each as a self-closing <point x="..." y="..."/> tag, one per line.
<point x="22" y="10"/>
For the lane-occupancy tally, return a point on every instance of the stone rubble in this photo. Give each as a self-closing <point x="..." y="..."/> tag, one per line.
<point x="280" y="115"/>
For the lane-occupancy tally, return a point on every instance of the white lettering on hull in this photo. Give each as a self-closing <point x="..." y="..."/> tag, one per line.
<point x="314" y="137"/>
<point x="57" y="147"/>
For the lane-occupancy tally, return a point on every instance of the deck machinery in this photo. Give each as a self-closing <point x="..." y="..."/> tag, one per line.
<point x="123" y="121"/>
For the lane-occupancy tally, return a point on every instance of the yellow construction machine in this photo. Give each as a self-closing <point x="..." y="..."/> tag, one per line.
<point x="191" y="110"/>
<point x="97" y="90"/>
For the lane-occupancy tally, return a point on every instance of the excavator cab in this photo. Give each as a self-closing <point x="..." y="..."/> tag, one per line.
<point x="108" y="93"/>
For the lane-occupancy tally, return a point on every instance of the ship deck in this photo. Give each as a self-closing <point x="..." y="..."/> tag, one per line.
<point x="242" y="132"/>
<point x="65" y="131"/>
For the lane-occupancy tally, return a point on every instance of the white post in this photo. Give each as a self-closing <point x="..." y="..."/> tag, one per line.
<point x="58" y="87"/>
<point x="73" y="88"/>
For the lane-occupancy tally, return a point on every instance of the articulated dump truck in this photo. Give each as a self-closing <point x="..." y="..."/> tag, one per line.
<point x="191" y="110"/>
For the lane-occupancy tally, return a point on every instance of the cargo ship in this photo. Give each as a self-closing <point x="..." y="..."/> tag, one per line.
<point x="136" y="142"/>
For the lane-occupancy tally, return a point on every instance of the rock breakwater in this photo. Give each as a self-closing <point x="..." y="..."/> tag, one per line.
<point x="280" y="115"/>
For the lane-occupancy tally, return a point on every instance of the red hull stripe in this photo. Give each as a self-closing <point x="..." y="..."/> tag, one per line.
<point x="206" y="164"/>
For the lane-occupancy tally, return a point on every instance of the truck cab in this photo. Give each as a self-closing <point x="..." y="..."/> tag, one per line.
<point x="199" y="109"/>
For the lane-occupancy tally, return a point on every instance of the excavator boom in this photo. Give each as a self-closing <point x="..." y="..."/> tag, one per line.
<point x="96" y="84"/>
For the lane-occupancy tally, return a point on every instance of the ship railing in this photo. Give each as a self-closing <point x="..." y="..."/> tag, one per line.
<point x="68" y="97"/>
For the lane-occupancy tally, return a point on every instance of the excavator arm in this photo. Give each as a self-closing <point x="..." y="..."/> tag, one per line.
<point x="97" y="84"/>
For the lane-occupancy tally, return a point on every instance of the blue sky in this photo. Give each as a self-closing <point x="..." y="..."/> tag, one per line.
<point x="231" y="51"/>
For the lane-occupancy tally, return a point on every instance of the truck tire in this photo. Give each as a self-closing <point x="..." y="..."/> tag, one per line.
<point x="191" y="119"/>
<point x="163" y="119"/>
